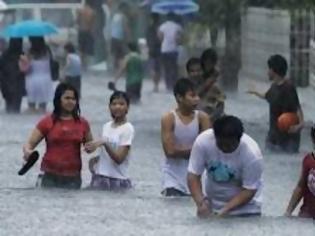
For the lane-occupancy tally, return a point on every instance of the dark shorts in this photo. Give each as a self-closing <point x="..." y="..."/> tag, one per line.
<point x="173" y="192"/>
<point x="48" y="180"/>
<point x="86" y="42"/>
<point x="118" y="49"/>
<point x="101" y="182"/>
<point x="155" y="64"/>
<point x="134" y="92"/>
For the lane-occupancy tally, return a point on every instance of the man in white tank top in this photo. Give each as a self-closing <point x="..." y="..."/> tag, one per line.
<point x="179" y="129"/>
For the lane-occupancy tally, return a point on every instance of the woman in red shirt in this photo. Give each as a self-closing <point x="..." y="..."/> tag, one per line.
<point x="64" y="132"/>
<point x="306" y="186"/>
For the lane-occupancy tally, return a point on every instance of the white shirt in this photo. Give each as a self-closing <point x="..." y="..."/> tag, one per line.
<point x="170" y="31"/>
<point x="116" y="137"/>
<point x="174" y="170"/>
<point x="228" y="173"/>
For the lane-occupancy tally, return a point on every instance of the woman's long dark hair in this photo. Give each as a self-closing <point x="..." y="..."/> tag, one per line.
<point x="15" y="48"/>
<point x="39" y="48"/>
<point x="60" y="90"/>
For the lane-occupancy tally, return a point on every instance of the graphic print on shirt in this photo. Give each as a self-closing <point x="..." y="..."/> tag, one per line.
<point x="311" y="181"/>
<point x="220" y="172"/>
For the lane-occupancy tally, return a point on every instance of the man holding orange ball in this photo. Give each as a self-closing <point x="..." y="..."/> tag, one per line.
<point x="282" y="98"/>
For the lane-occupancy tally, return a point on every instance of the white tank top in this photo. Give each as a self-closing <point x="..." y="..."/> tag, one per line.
<point x="174" y="171"/>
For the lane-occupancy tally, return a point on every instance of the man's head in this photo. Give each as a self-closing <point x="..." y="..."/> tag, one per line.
<point x="209" y="60"/>
<point x="278" y="66"/>
<point x="155" y="18"/>
<point x="171" y="16"/>
<point x="228" y="131"/>
<point x="193" y="67"/>
<point x="133" y="47"/>
<point x="185" y="94"/>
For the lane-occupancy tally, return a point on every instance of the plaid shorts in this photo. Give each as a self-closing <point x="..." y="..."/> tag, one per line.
<point x="108" y="183"/>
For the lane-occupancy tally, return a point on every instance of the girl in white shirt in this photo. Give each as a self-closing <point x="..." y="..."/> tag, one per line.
<point x="109" y="169"/>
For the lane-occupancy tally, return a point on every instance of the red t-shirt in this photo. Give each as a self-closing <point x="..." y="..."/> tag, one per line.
<point x="63" y="145"/>
<point x="308" y="206"/>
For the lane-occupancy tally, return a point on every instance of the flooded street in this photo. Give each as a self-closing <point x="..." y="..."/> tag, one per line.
<point x="26" y="210"/>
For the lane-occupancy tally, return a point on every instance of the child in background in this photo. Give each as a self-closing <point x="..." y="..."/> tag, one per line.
<point x="109" y="169"/>
<point x="194" y="70"/>
<point x="133" y="66"/>
<point x="72" y="69"/>
<point x="305" y="188"/>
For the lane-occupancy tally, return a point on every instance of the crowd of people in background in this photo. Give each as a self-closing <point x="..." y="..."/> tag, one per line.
<point x="200" y="141"/>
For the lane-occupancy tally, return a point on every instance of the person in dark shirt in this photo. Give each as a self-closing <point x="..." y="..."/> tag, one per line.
<point x="282" y="97"/>
<point x="12" y="80"/>
<point x="154" y="46"/>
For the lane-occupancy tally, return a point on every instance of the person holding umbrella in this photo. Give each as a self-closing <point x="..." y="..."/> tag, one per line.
<point x="39" y="84"/>
<point x="36" y="64"/>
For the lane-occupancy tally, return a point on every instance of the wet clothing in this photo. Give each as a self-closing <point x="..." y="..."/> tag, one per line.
<point x="211" y="99"/>
<point x="173" y="192"/>
<point x="116" y="137"/>
<point x="228" y="173"/>
<point x="101" y="182"/>
<point x="63" y="145"/>
<point x="12" y="82"/>
<point x="174" y="170"/>
<point x="48" y="180"/>
<point x="282" y="98"/>
<point x="308" y="207"/>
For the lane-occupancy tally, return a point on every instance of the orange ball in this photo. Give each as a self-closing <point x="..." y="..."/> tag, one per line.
<point x="286" y="120"/>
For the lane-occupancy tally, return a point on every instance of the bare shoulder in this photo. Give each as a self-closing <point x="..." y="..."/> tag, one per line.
<point x="167" y="118"/>
<point x="202" y="115"/>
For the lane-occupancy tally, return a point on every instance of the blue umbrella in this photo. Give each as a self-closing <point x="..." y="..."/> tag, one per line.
<point x="29" y="28"/>
<point x="180" y="7"/>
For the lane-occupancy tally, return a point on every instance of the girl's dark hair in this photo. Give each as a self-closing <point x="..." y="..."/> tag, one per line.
<point x="69" y="47"/>
<point x="192" y="61"/>
<point x="278" y="64"/>
<point x="119" y="94"/>
<point x="39" y="48"/>
<point x="60" y="90"/>
<point x="208" y="55"/>
<point x="182" y="86"/>
<point x="15" y="46"/>
<point x="228" y="127"/>
<point x="133" y="47"/>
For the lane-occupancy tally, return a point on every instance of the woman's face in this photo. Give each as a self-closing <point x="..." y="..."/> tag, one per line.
<point x="118" y="108"/>
<point x="68" y="101"/>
